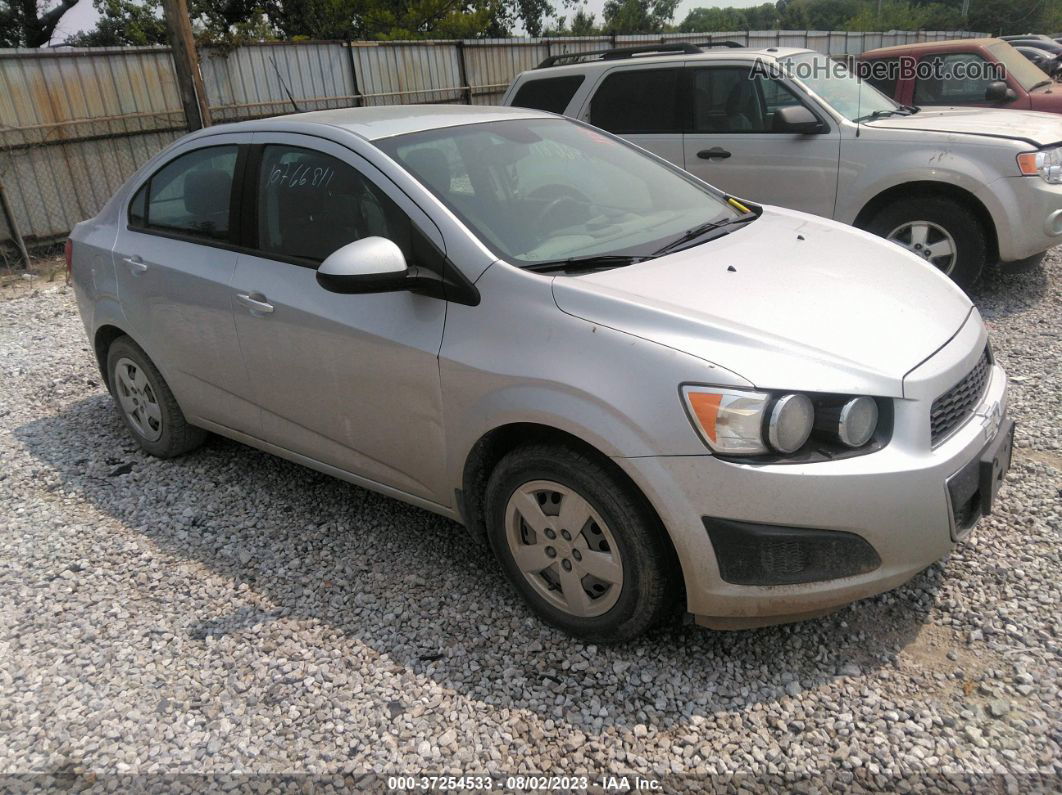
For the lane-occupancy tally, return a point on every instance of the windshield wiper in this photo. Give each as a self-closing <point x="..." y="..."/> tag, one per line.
<point x="879" y="114"/>
<point x="702" y="229"/>
<point x="1042" y="83"/>
<point x="591" y="262"/>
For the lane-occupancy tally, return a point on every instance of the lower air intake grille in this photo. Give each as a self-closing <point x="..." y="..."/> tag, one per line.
<point x="952" y="409"/>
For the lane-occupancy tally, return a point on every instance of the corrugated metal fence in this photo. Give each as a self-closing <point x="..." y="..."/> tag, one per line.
<point x="75" y="123"/>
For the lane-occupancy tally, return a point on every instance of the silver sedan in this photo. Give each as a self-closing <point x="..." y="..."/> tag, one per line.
<point x="635" y="388"/>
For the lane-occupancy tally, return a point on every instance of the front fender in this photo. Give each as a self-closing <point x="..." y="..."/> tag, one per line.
<point x="967" y="167"/>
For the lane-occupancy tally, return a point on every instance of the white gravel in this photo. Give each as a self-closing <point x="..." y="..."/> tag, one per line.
<point x="228" y="612"/>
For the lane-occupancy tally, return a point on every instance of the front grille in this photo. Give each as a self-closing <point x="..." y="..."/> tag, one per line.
<point x="952" y="409"/>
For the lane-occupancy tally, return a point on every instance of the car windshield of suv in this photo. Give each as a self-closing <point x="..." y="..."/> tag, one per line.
<point x="835" y="84"/>
<point x="541" y="190"/>
<point x="1018" y="66"/>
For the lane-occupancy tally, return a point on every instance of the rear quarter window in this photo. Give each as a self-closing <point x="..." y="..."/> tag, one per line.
<point x="550" y="94"/>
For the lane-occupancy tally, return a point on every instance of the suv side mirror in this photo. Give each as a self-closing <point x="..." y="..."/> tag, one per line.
<point x="998" y="91"/>
<point x="369" y="265"/>
<point x="795" y="119"/>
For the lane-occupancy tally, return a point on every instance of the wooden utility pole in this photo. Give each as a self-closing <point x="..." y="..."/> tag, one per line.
<point x="186" y="62"/>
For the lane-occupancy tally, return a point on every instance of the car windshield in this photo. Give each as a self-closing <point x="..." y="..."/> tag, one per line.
<point x="1018" y="66"/>
<point x="835" y="84"/>
<point x="542" y="190"/>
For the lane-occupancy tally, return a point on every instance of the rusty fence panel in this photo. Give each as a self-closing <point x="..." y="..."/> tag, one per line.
<point x="75" y="123"/>
<point x="271" y="79"/>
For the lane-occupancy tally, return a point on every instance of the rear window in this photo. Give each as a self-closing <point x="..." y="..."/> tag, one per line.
<point x="551" y="94"/>
<point x="638" y="101"/>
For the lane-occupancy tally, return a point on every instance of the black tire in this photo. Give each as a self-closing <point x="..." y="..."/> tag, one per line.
<point x="176" y="436"/>
<point x="650" y="569"/>
<point x="961" y="223"/>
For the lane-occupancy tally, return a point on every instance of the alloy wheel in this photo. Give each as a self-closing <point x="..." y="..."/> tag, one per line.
<point x="930" y="241"/>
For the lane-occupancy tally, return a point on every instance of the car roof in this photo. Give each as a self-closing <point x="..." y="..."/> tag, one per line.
<point x="384" y="121"/>
<point x="721" y="54"/>
<point x="931" y="46"/>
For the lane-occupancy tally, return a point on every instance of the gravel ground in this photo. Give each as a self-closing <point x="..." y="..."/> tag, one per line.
<point x="228" y="612"/>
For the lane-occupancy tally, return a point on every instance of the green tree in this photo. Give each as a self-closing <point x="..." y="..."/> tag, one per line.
<point x="30" y="23"/>
<point x="762" y="17"/>
<point x="638" y="16"/>
<point x="229" y="22"/>
<point x="905" y="16"/>
<point x="583" y="23"/>
<point x="701" y="20"/>
<point x="123" y="22"/>
<point x="1001" y="17"/>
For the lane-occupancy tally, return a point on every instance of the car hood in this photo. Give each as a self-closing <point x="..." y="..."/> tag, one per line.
<point x="1036" y="127"/>
<point x="789" y="301"/>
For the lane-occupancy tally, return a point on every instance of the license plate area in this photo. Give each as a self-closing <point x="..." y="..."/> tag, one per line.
<point x="972" y="490"/>
<point x="993" y="465"/>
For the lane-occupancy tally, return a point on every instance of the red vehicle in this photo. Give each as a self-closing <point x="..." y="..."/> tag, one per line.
<point x="979" y="72"/>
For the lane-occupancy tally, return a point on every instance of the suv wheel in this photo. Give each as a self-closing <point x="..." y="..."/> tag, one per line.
<point x="941" y="231"/>
<point x="586" y="554"/>
<point x="146" y="404"/>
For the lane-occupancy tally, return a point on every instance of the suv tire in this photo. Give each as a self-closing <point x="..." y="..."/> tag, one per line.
<point x="609" y="576"/>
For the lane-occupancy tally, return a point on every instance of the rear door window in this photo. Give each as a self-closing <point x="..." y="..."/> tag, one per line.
<point x="634" y="101"/>
<point x="550" y="94"/>
<point x="190" y="195"/>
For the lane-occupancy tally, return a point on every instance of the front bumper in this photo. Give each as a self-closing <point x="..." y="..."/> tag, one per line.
<point x="896" y="500"/>
<point x="1028" y="216"/>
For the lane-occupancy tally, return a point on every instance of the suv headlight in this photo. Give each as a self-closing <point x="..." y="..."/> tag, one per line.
<point x="738" y="422"/>
<point x="1047" y="163"/>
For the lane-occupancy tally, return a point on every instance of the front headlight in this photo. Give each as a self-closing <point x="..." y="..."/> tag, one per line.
<point x="852" y="423"/>
<point x="790" y="422"/>
<point x="730" y="421"/>
<point x="746" y="423"/>
<point x="1047" y="163"/>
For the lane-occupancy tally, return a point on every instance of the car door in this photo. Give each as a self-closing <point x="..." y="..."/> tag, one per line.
<point x="348" y="380"/>
<point x="641" y="104"/>
<point x="175" y="257"/>
<point x="731" y="145"/>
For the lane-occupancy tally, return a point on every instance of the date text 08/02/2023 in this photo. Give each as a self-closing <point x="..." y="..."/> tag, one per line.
<point x="521" y="783"/>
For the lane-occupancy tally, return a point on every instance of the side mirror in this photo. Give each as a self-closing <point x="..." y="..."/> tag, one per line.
<point x="795" y="119"/>
<point x="998" y="91"/>
<point x="369" y="265"/>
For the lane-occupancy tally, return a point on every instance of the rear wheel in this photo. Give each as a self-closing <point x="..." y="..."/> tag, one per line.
<point x="941" y="231"/>
<point x="146" y="404"/>
<point x="586" y="553"/>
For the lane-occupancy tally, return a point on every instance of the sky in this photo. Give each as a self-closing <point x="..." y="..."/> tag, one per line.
<point x="83" y="16"/>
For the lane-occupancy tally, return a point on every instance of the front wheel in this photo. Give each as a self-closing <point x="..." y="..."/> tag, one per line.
<point x="941" y="231"/>
<point x="587" y="554"/>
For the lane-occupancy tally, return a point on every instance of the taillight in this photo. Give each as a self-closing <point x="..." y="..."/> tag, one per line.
<point x="68" y="251"/>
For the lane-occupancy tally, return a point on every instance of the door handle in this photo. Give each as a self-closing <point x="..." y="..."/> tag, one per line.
<point x="256" y="302"/>
<point x="715" y="153"/>
<point x="135" y="264"/>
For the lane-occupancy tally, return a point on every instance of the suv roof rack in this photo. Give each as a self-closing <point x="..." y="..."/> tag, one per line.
<point x="616" y="53"/>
